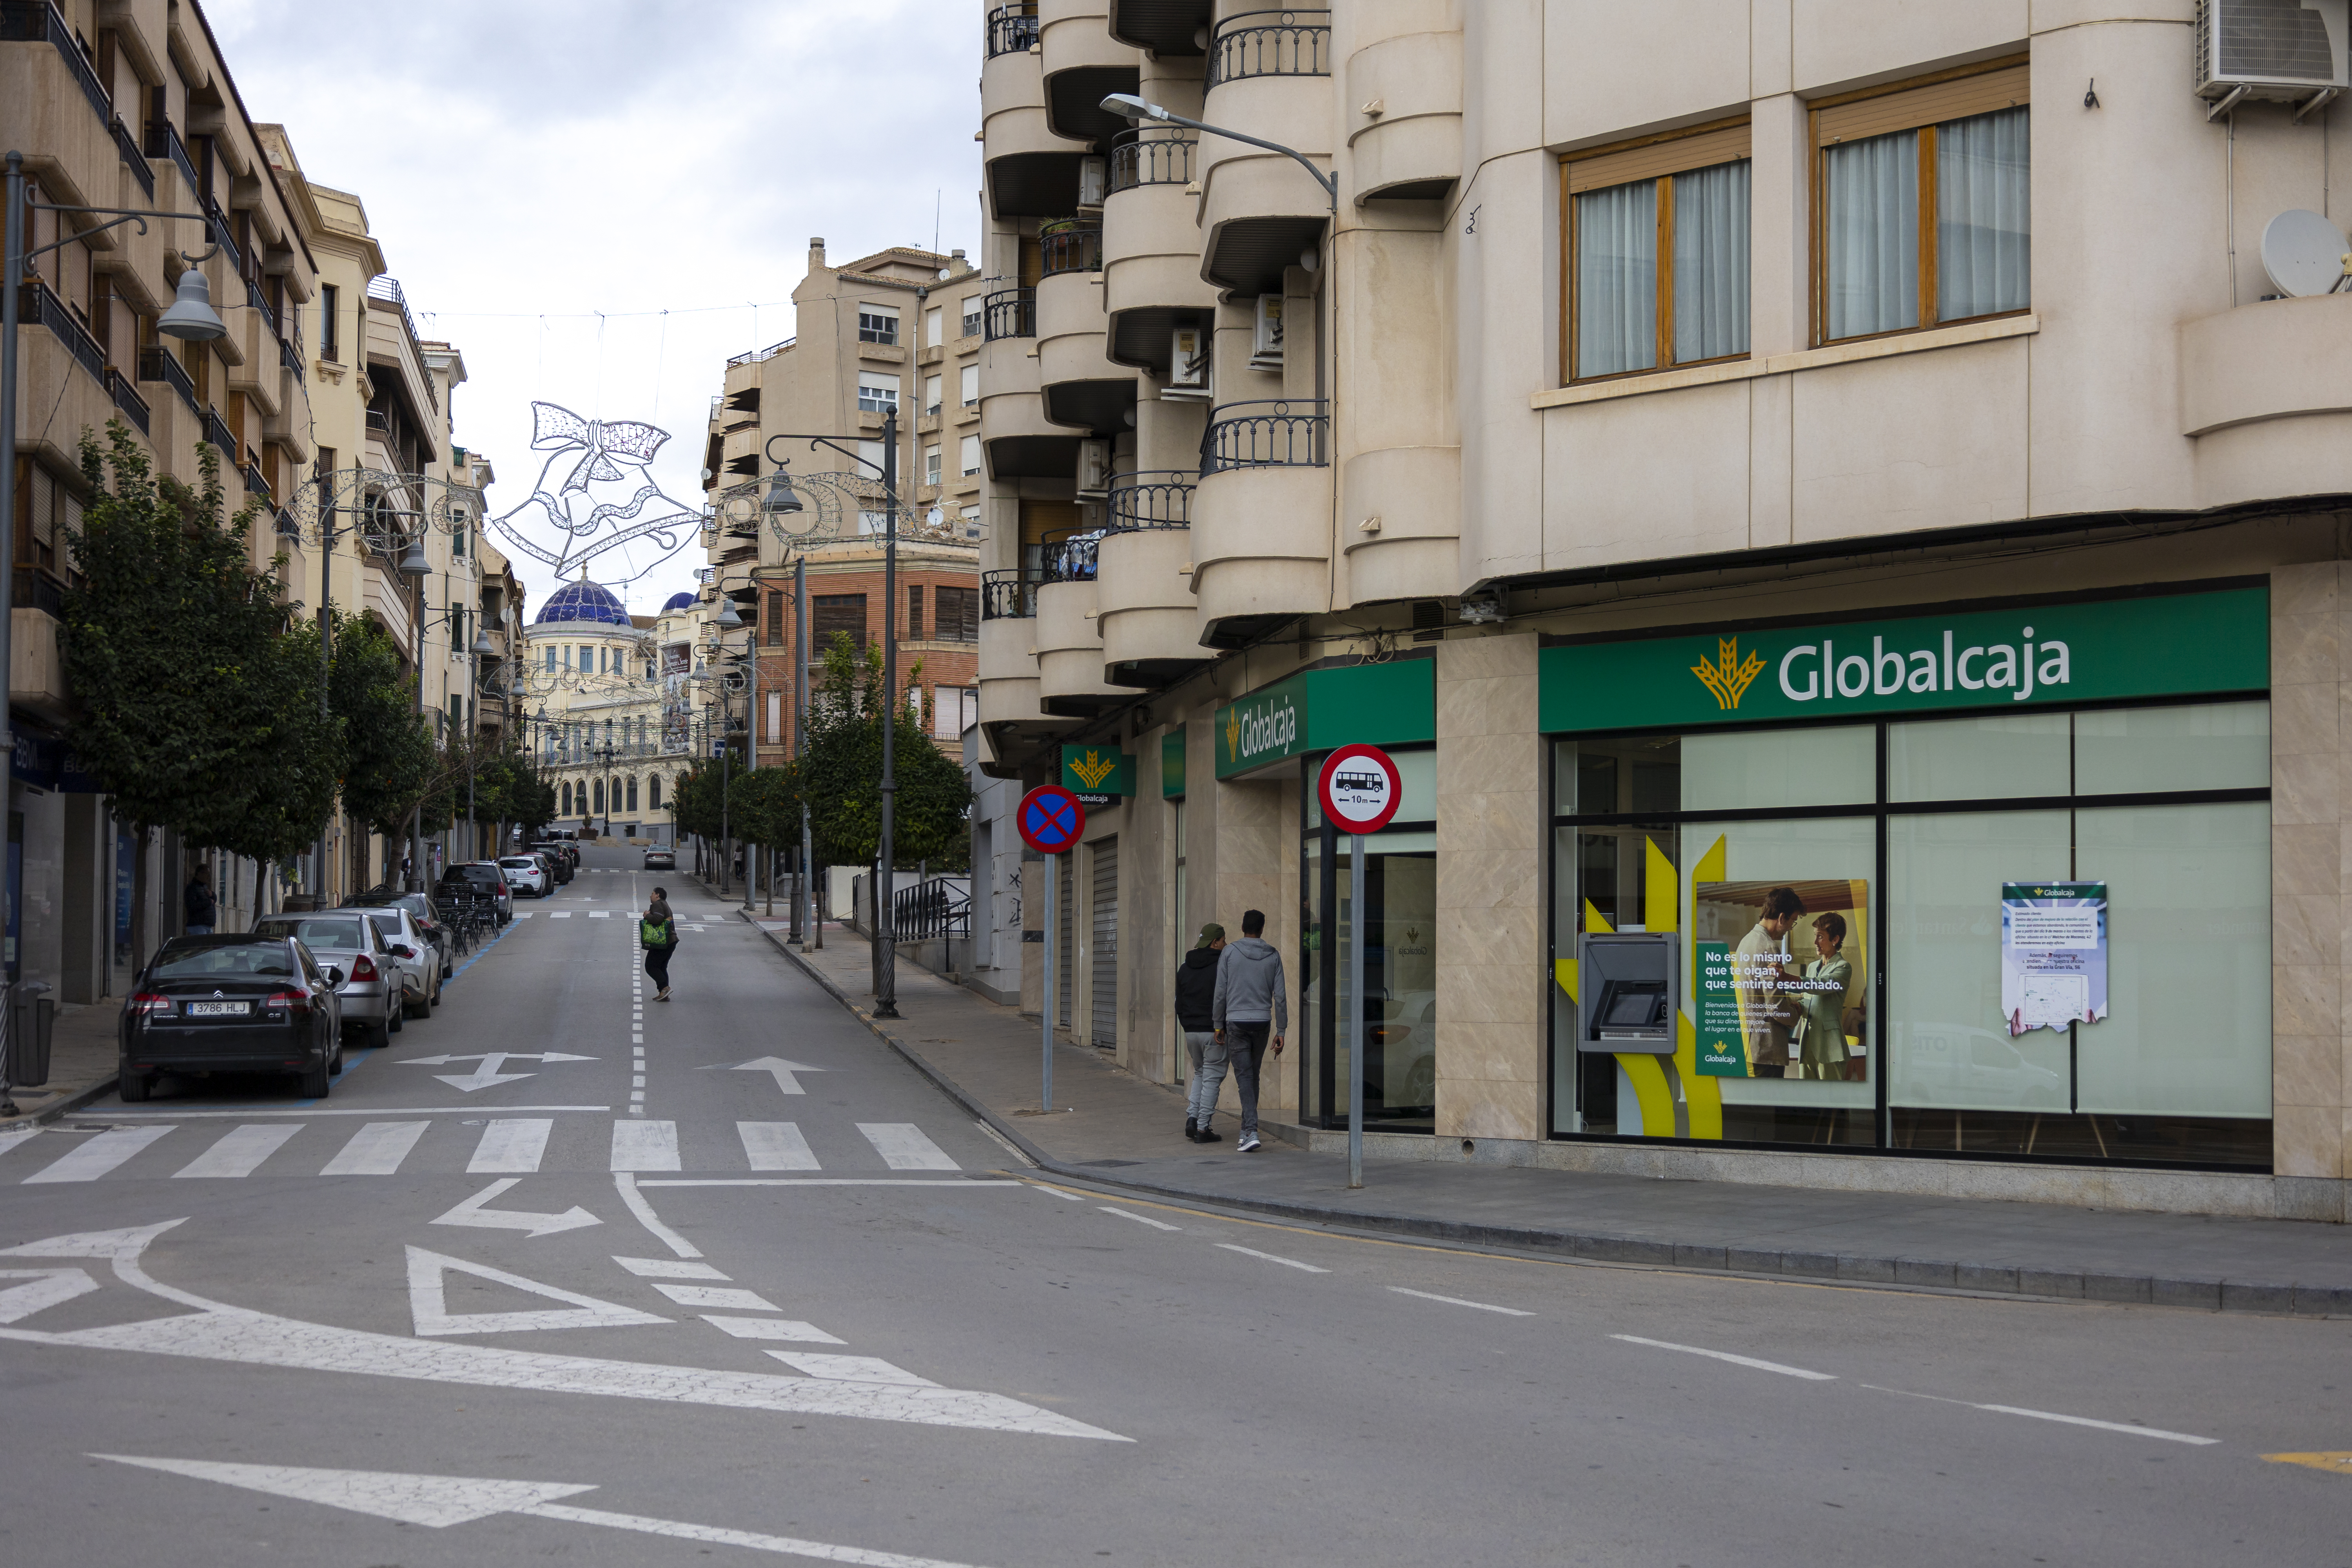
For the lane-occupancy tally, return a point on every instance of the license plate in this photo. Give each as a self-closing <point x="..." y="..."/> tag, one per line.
<point x="219" y="1009"/>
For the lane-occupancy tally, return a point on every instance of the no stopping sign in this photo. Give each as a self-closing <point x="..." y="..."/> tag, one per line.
<point x="1049" y="819"/>
<point x="1360" y="788"/>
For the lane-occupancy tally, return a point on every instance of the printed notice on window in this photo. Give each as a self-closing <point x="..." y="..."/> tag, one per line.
<point x="2053" y="954"/>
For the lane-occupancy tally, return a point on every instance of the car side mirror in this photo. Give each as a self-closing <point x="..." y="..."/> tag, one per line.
<point x="334" y="976"/>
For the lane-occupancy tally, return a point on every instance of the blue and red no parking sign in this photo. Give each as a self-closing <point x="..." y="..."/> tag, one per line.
<point x="1050" y="819"/>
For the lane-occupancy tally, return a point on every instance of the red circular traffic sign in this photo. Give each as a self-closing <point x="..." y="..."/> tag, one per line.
<point x="1050" y="819"/>
<point x="1360" y="788"/>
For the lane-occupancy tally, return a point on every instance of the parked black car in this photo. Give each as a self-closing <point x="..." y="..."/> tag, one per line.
<point x="232" y="1004"/>
<point x="562" y="857"/>
<point x="428" y="915"/>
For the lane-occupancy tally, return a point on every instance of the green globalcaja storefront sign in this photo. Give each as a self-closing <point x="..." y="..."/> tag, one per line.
<point x="1097" y="769"/>
<point x="2047" y="655"/>
<point x="1171" y="764"/>
<point x="1389" y="704"/>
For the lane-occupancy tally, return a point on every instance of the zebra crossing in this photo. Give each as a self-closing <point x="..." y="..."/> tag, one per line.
<point x="512" y="1145"/>
<point x="594" y="915"/>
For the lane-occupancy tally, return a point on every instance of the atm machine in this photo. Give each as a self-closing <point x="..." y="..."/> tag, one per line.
<point x="1629" y="990"/>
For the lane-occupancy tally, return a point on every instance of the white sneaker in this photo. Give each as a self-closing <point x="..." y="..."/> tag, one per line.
<point x="1248" y="1145"/>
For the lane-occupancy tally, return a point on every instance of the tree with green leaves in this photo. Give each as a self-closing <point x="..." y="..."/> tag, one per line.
<point x="842" y="772"/>
<point x="390" y="761"/>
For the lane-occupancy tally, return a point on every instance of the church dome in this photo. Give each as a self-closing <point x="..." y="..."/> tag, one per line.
<point x="582" y="601"/>
<point x="677" y="602"/>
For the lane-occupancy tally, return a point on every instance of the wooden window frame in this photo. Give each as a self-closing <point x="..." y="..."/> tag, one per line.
<point x="1658" y="158"/>
<point x="1920" y="104"/>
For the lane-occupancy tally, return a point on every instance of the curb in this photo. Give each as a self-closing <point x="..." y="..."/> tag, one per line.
<point x="1912" y="1273"/>
<point x="65" y="1107"/>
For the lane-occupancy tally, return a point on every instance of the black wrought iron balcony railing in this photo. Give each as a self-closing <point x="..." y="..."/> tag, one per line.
<point x="1070" y="558"/>
<point x="1150" y="497"/>
<point x="291" y="358"/>
<point x="133" y="156"/>
<point x="1160" y="159"/>
<point x="37" y="21"/>
<point x="1274" y="433"/>
<point x="254" y="483"/>
<point x="260" y="301"/>
<point x="163" y="142"/>
<point x="127" y="399"/>
<point x="1011" y="313"/>
<point x="161" y="364"/>
<point x="1007" y="595"/>
<point x="1012" y="28"/>
<point x="217" y="432"/>
<point x="1270" y="43"/>
<point x="216" y="220"/>
<point x="39" y="302"/>
<point x="1069" y="245"/>
<point x="34" y="589"/>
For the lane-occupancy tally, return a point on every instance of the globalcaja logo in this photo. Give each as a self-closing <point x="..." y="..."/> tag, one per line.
<point x="1094" y="767"/>
<point x="1233" y="735"/>
<point x="1728" y="676"/>
<point x="1276" y="730"/>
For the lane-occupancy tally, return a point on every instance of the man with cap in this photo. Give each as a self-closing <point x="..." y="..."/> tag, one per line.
<point x="1196" y="990"/>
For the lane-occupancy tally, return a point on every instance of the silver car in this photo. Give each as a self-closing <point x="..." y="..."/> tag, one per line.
<point x="419" y="959"/>
<point x="347" y="946"/>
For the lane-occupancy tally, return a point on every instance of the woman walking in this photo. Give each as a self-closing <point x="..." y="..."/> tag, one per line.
<point x="659" y="932"/>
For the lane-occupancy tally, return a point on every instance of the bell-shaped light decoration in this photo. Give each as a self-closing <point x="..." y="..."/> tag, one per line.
<point x="781" y="501"/>
<point x="192" y="316"/>
<point x="729" y="621"/>
<point x="482" y="648"/>
<point x="411" y="560"/>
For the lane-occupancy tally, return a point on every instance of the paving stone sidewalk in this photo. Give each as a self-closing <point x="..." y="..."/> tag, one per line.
<point x="1112" y="1128"/>
<point x="82" y="1065"/>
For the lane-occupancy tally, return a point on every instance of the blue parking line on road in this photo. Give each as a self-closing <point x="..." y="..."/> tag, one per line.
<point x="478" y="954"/>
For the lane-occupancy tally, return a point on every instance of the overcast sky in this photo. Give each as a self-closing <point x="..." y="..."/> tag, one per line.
<point x="525" y="163"/>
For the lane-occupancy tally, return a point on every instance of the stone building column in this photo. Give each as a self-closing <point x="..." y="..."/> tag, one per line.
<point x="2311" y="861"/>
<point x="1490" y="876"/>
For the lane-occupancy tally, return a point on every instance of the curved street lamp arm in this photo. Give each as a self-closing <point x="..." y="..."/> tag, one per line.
<point x="814" y="442"/>
<point x="1329" y="182"/>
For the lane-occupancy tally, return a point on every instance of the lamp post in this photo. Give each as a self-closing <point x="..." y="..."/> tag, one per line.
<point x="417" y="569"/>
<point x="729" y="621"/>
<point x="781" y="501"/>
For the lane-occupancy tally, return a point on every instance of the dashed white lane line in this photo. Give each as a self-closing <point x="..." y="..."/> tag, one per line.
<point x="1734" y="1360"/>
<point x="1056" y="1191"/>
<point x="1458" y="1302"/>
<point x="1140" y="1219"/>
<point x="2123" y="1426"/>
<point x="772" y="1329"/>
<point x="1273" y="1257"/>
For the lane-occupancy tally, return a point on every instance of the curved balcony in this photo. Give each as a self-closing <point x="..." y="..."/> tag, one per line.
<point x="1081" y="63"/>
<point x="1269" y="71"/>
<point x="1069" y="637"/>
<point x="1152" y="498"/>
<point x="1032" y="171"/>
<point x="1262" y="519"/>
<point x="1151" y="248"/>
<point x="1173" y="29"/>
<point x="1010" y="717"/>
<point x="1012" y="29"/>
<point x="1143" y="583"/>
<point x="1008" y="313"/>
<point x="1019" y="440"/>
<point x="1416" y="551"/>
<point x="1082" y="388"/>
<point x="1411" y="151"/>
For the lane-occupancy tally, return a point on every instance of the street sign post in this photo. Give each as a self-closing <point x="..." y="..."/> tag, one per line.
<point x="1050" y="820"/>
<point x="1359" y="789"/>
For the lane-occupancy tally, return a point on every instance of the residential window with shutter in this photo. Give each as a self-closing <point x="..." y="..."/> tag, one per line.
<point x="836" y="613"/>
<point x="957" y="611"/>
<point x="971" y="387"/>
<point x="775" y="619"/>
<point x="970" y="456"/>
<point x="971" y="314"/>
<point x="915" y="612"/>
<point x="877" y="323"/>
<point x="934" y="327"/>
<point x="1658" y="253"/>
<point x="877" y="393"/>
<point x="933" y="389"/>
<point x="931" y="462"/>
<point x="331" y="338"/>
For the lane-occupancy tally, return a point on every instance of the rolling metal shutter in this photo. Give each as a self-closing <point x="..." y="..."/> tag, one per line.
<point x="1102" y="991"/>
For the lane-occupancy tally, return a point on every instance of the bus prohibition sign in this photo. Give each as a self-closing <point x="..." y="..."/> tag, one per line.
<point x="1050" y="819"/>
<point x="1360" y="788"/>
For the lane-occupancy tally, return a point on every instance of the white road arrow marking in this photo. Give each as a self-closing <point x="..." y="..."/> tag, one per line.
<point x="487" y="1075"/>
<point x="48" y="1286"/>
<point x="783" y="1070"/>
<point x="439" y="1501"/>
<point x="428" y="1307"/>
<point x="471" y="1212"/>
<point x="217" y="1331"/>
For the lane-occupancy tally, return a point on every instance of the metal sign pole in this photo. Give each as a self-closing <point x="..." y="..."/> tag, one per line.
<point x="1045" y="1006"/>
<point x="1356" y="1030"/>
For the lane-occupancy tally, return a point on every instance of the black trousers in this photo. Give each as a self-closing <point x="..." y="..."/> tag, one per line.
<point x="657" y="965"/>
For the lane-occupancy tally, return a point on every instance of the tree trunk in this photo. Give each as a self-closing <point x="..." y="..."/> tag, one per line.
<point x="260" y="871"/>
<point x="139" y="902"/>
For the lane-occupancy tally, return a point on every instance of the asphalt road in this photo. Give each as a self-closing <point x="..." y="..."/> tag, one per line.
<point x="810" y="1310"/>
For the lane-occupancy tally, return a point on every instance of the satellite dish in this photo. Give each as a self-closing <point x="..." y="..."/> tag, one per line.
<point x="2303" y="253"/>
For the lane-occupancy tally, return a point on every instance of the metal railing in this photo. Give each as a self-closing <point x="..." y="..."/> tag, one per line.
<point x="755" y="357"/>
<point x="260" y="301"/>
<point x="1160" y="159"/>
<point x="133" y="156"/>
<point x="34" y="589"/>
<point x="1274" y="433"/>
<point x="216" y="220"/>
<point x="386" y="290"/>
<point x="288" y="357"/>
<point x="127" y="398"/>
<point x="1069" y="558"/>
<point x="1007" y="595"/>
<point x="1012" y="28"/>
<point x="217" y="432"/>
<point x="161" y="364"/>
<point x="1270" y="43"/>
<point x="163" y="142"/>
<point x="33" y="21"/>
<point x="930" y="909"/>
<point x="40" y="303"/>
<point x="1152" y="498"/>
<point x="1011" y="313"/>
<point x="1071" y="245"/>
<point x="254" y="483"/>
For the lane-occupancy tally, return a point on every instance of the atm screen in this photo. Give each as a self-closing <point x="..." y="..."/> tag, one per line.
<point x="1631" y="1010"/>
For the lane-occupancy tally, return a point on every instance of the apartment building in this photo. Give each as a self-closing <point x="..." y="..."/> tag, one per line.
<point x="1845" y="502"/>
<point x="130" y="106"/>
<point x="896" y="330"/>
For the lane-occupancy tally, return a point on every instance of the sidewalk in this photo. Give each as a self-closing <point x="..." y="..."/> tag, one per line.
<point x="82" y="1065"/>
<point x="1112" y="1128"/>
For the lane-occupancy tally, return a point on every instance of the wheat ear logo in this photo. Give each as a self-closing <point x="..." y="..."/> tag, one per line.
<point x="1094" y="768"/>
<point x="1233" y="734"/>
<point x="1728" y="676"/>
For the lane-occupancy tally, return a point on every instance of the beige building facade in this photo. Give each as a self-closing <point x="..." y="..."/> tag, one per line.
<point x="1800" y="487"/>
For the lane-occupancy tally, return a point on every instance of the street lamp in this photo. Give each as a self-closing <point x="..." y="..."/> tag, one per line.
<point x="1127" y="106"/>
<point x="413" y="566"/>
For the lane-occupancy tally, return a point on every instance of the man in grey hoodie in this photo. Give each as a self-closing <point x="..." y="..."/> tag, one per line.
<point x="1249" y="1001"/>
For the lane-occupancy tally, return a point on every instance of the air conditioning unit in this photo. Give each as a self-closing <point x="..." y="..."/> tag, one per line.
<point x="1093" y="181"/>
<point x="1265" y="338"/>
<point x="2289" y="51"/>
<point x="1094" y="468"/>
<point x="1188" y="365"/>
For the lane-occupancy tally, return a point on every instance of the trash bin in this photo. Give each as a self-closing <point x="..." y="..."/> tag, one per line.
<point x="31" y="1014"/>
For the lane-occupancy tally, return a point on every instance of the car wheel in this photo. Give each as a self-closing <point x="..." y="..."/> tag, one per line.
<point x="338" y="1064"/>
<point x="318" y="1081"/>
<point x="399" y="1005"/>
<point x="424" y="1007"/>
<point x="134" y="1087"/>
<point x="375" y="1036"/>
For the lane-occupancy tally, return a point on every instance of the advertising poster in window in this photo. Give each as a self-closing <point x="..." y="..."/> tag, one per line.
<point x="2053" y="954"/>
<point x="678" y="707"/>
<point x="1781" y="979"/>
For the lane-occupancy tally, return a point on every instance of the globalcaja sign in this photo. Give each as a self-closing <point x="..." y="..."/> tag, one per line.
<point x="1388" y="704"/>
<point x="2044" y="656"/>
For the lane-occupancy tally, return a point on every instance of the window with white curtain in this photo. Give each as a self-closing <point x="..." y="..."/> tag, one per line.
<point x="1925" y="206"/>
<point x="1659" y="254"/>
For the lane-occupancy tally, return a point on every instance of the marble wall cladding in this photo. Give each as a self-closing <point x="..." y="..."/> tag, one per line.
<point x="1490" y="976"/>
<point x="2311" y="850"/>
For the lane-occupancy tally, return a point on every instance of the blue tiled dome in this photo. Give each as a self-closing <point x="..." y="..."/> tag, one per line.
<point x="677" y="602"/>
<point x="581" y="602"/>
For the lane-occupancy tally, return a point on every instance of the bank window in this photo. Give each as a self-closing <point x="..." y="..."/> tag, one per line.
<point x="1658" y="249"/>
<point x="1923" y="207"/>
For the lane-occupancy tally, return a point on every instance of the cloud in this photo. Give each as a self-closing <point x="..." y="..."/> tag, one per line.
<point x="546" y="179"/>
